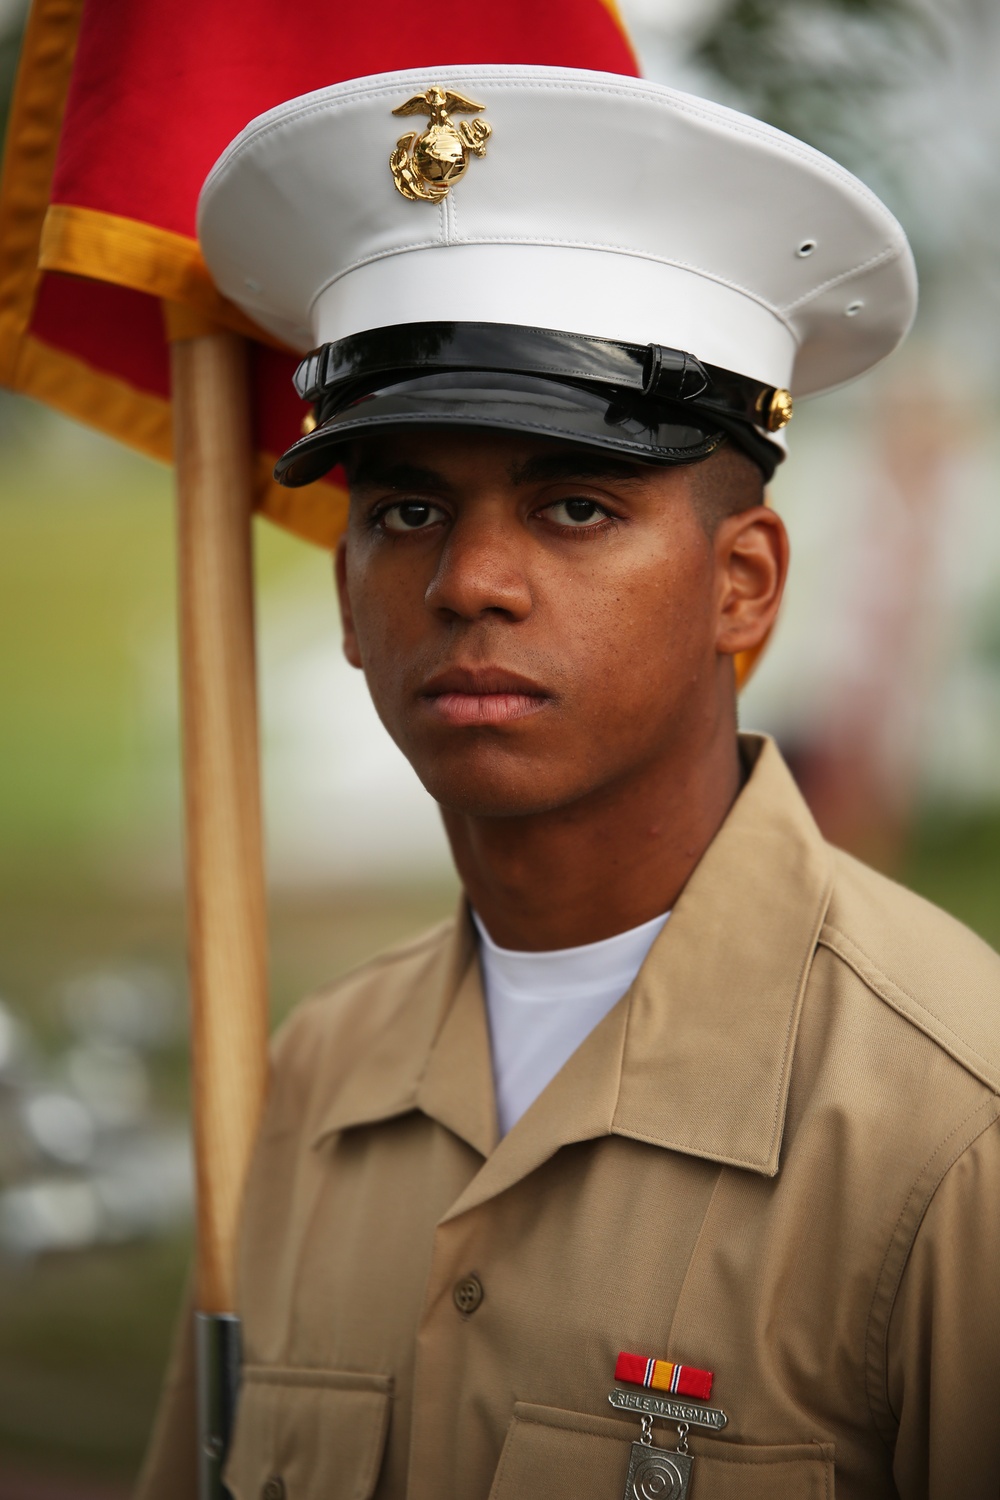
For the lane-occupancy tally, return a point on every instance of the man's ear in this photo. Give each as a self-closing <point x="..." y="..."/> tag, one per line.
<point x="751" y="555"/>
<point x="351" y="649"/>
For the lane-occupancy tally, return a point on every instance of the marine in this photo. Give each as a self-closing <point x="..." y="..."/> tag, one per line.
<point x="679" y="1082"/>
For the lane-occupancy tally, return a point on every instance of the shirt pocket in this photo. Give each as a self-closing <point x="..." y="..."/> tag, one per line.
<point x="320" y="1432"/>
<point x="573" y="1456"/>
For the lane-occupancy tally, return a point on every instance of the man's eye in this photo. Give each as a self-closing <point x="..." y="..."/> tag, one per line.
<point x="410" y="515"/>
<point x="576" y="513"/>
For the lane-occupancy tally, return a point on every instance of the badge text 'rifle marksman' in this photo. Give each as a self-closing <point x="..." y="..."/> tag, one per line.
<point x="425" y="166"/>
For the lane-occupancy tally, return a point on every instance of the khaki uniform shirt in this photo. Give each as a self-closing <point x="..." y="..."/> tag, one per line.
<point x="777" y="1158"/>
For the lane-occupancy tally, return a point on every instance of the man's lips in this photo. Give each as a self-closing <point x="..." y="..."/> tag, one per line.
<point x="482" y="695"/>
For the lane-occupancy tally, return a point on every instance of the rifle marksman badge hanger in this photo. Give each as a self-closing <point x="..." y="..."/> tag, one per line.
<point x="425" y="167"/>
<point x="663" y="1473"/>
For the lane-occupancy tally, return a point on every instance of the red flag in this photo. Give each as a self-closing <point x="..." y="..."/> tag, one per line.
<point x="120" y="110"/>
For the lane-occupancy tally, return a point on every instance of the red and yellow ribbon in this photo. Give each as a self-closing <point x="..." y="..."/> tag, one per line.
<point x="662" y="1375"/>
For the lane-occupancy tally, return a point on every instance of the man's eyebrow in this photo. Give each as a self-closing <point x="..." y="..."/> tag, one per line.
<point x="574" y="466"/>
<point x="394" y="476"/>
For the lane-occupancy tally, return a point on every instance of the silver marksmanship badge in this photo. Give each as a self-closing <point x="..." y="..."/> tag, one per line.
<point x="656" y="1473"/>
<point x="662" y="1473"/>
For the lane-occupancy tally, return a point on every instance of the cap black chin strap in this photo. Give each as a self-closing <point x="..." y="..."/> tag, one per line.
<point x="340" y="372"/>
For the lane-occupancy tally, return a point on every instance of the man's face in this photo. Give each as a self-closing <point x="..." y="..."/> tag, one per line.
<point x="536" y="621"/>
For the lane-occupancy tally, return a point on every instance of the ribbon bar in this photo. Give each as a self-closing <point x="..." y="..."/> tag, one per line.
<point x="662" y="1375"/>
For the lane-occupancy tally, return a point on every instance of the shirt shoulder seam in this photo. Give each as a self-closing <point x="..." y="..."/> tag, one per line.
<point x="914" y="1010"/>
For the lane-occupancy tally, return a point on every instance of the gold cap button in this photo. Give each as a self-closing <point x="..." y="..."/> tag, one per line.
<point x="468" y="1294"/>
<point x="779" y="410"/>
<point x="274" y="1489"/>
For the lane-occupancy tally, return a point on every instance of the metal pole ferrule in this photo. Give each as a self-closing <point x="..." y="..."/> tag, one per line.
<point x="217" y="1350"/>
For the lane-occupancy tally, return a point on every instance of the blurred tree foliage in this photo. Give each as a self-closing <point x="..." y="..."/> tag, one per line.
<point x="819" y="69"/>
<point x="12" y="17"/>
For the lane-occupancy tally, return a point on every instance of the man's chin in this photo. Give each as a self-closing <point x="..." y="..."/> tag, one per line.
<point x="492" y="802"/>
<point x="496" y="794"/>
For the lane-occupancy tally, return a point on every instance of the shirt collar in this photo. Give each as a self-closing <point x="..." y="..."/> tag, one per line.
<point x="714" y="1011"/>
<point x="696" y="1057"/>
<point x="435" y="1056"/>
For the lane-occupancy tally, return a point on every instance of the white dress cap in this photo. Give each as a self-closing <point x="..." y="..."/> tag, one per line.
<point x="603" y="205"/>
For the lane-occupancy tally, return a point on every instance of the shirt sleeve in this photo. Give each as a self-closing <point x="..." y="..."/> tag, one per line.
<point x="170" y="1468"/>
<point x="943" y="1353"/>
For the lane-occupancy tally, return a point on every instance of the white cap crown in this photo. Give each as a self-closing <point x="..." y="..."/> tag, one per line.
<point x="602" y="205"/>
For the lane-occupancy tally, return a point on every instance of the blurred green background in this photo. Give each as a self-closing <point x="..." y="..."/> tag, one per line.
<point x="883" y="686"/>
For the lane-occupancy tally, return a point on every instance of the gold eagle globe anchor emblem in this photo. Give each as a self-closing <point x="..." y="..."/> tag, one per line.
<point x="424" y="167"/>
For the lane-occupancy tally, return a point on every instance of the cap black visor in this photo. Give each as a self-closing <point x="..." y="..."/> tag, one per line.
<point x="647" y="429"/>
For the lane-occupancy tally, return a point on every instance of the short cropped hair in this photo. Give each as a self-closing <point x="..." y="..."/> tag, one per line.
<point x="724" y="484"/>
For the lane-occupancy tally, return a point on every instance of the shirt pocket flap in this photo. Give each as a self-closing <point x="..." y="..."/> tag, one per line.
<point x="573" y="1456"/>
<point x="309" y="1429"/>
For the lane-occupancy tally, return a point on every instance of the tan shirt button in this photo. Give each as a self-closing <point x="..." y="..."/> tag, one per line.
<point x="274" y="1489"/>
<point x="468" y="1294"/>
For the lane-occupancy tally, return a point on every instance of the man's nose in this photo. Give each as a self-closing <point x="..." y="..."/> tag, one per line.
<point x="482" y="568"/>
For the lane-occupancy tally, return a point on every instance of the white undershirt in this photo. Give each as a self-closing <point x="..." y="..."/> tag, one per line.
<point x="541" y="1006"/>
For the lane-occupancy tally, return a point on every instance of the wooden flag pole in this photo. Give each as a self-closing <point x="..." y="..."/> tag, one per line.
<point x="224" y="846"/>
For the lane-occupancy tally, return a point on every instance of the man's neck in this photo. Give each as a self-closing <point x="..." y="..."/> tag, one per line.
<point x="603" y="864"/>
